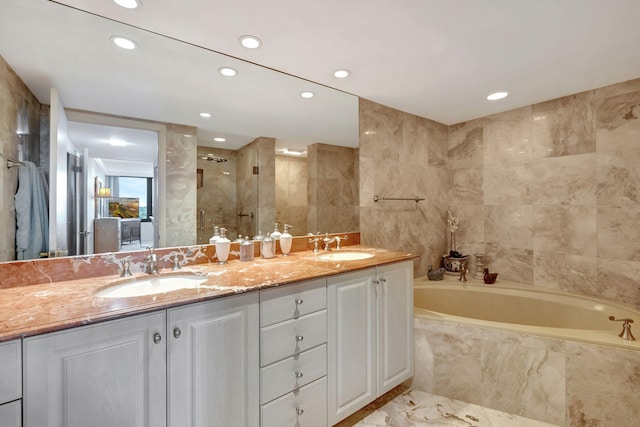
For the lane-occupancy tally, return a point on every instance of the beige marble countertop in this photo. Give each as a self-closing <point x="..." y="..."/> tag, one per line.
<point x="40" y="308"/>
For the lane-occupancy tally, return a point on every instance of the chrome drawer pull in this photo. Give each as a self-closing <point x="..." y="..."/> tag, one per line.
<point x="299" y="374"/>
<point x="299" y="411"/>
<point x="299" y="301"/>
<point x="299" y="337"/>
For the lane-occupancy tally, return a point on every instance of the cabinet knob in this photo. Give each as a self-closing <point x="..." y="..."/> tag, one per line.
<point x="299" y="301"/>
<point x="157" y="338"/>
<point x="177" y="332"/>
<point x="299" y="337"/>
<point x="383" y="280"/>
<point x="299" y="374"/>
<point x="375" y="281"/>
<point x="299" y="411"/>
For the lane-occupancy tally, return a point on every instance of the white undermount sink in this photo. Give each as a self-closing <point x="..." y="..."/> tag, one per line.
<point x="345" y="256"/>
<point x="152" y="285"/>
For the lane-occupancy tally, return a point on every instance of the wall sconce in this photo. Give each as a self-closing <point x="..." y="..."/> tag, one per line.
<point x="104" y="192"/>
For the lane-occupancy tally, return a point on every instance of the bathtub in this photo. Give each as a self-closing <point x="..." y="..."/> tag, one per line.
<point x="519" y="308"/>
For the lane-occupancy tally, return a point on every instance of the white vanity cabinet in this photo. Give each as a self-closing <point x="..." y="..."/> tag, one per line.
<point x="293" y="336"/>
<point x="213" y="363"/>
<point x="195" y="365"/>
<point x="11" y="384"/>
<point x="370" y="336"/>
<point x="103" y="375"/>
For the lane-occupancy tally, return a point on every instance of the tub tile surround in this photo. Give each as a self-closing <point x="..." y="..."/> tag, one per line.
<point x="554" y="381"/>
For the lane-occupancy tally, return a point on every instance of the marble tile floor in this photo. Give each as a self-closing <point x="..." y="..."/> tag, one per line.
<point x="414" y="408"/>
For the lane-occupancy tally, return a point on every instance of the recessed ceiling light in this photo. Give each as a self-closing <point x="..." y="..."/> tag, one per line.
<point x="186" y="135"/>
<point x="292" y="152"/>
<point x="227" y="71"/>
<point x="205" y="115"/>
<point x="307" y="94"/>
<point x="118" y="142"/>
<point x="219" y="139"/>
<point x="497" y="95"/>
<point x="124" y="42"/>
<point x="341" y="74"/>
<point x="250" y="42"/>
<point x="129" y="4"/>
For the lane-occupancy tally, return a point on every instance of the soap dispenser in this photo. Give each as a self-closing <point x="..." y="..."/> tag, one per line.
<point x="276" y="233"/>
<point x="246" y="250"/>
<point x="286" y="240"/>
<point x="222" y="247"/>
<point x="268" y="247"/>
<point x="216" y="235"/>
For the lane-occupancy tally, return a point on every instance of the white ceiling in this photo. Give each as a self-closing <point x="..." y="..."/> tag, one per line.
<point x="437" y="59"/>
<point x="433" y="58"/>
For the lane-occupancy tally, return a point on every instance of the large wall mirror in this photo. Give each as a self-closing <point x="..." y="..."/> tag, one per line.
<point x="128" y="141"/>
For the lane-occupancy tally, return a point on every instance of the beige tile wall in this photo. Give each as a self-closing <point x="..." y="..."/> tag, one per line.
<point x="291" y="193"/>
<point x="13" y="94"/>
<point x="332" y="189"/>
<point x="402" y="155"/>
<point x="549" y="192"/>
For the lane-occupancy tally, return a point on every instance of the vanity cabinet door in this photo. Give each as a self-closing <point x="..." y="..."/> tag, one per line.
<point x="352" y="342"/>
<point x="395" y="325"/>
<point x="103" y="375"/>
<point x="213" y="363"/>
<point x="11" y="414"/>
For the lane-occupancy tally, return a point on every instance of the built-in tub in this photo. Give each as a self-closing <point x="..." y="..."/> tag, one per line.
<point x="544" y="355"/>
<point x="523" y="309"/>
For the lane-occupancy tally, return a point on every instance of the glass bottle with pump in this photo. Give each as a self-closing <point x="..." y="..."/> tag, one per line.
<point x="222" y="247"/>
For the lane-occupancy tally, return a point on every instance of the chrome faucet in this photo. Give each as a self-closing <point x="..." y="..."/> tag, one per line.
<point x="152" y="261"/>
<point x="314" y="239"/>
<point x="328" y="241"/>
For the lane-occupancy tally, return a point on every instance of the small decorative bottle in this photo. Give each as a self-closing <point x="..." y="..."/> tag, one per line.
<point x="246" y="250"/>
<point x="479" y="271"/>
<point x="286" y="240"/>
<point x="222" y="247"/>
<point x="216" y="235"/>
<point x="268" y="247"/>
<point x="276" y="233"/>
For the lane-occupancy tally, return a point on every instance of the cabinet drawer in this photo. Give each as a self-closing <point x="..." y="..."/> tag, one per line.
<point x="10" y="371"/>
<point x="305" y="408"/>
<point x="294" y="336"/>
<point x="11" y="414"/>
<point x="292" y="301"/>
<point x="292" y="373"/>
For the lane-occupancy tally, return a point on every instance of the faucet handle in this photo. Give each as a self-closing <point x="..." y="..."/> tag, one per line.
<point x="176" y="263"/>
<point x="126" y="270"/>
<point x="626" y="328"/>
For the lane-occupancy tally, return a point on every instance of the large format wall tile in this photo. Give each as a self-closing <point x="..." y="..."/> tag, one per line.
<point x="524" y="381"/>
<point x="618" y="233"/>
<point x="465" y="145"/>
<point x="619" y="176"/>
<point x="507" y="137"/>
<point x="567" y="229"/>
<point x="566" y="272"/>
<point x="618" y="122"/>
<point x="564" y="126"/>
<point x="618" y="281"/>
<point x="603" y="385"/>
<point x="511" y="263"/>
<point x="467" y="186"/>
<point x="564" y="180"/>
<point x="507" y="184"/>
<point x="509" y="226"/>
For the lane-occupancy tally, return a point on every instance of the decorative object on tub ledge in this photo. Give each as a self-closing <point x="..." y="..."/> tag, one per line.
<point x="414" y="199"/>
<point x="626" y="328"/>
<point x="479" y="273"/>
<point x="435" y="274"/>
<point x="454" y="262"/>
<point x="489" y="278"/>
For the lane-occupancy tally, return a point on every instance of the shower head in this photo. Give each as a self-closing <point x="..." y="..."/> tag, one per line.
<point x="212" y="157"/>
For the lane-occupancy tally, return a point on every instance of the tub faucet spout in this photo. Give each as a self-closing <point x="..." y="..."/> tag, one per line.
<point x="626" y="328"/>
